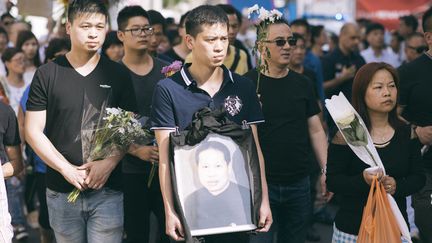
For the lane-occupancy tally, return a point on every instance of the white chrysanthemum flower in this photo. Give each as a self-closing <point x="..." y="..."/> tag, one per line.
<point x="272" y="19"/>
<point x="113" y="111"/>
<point x="263" y="14"/>
<point x="252" y="9"/>
<point x="121" y="130"/>
<point x="276" y="13"/>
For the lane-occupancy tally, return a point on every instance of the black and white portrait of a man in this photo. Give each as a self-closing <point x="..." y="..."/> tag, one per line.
<point x="218" y="201"/>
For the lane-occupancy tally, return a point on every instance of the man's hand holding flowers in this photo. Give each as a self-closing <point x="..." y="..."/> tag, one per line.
<point x="74" y="176"/>
<point x="99" y="171"/>
<point x="145" y="152"/>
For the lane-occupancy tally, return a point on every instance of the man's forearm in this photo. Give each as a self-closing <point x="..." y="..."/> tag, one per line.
<point x="264" y="187"/>
<point x="318" y="140"/>
<point x="46" y="150"/>
<point x="319" y="146"/>
<point x="15" y="165"/>
<point x="162" y="137"/>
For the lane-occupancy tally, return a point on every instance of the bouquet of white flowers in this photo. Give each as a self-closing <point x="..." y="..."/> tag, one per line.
<point x="115" y="131"/>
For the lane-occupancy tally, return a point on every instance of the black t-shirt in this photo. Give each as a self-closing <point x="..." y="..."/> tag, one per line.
<point x="415" y="94"/>
<point x="173" y="55"/>
<point x="287" y="103"/>
<point x="9" y="135"/>
<point x="64" y="93"/>
<point x="312" y="76"/>
<point x="333" y="64"/>
<point x="143" y="86"/>
<point x="402" y="161"/>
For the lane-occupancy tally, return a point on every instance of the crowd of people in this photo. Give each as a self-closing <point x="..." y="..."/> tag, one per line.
<point x="305" y="162"/>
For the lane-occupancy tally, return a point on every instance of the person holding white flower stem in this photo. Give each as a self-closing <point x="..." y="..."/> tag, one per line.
<point x="206" y="82"/>
<point x="58" y="95"/>
<point x="135" y="32"/>
<point x="416" y="107"/>
<point x="292" y="129"/>
<point x="374" y="97"/>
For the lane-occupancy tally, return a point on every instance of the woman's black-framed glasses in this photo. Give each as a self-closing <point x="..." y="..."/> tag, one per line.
<point x="148" y="30"/>
<point x="281" y="42"/>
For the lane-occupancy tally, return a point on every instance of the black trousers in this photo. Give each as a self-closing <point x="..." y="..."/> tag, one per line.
<point x="422" y="204"/>
<point x="139" y="202"/>
<point x="40" y="181"/>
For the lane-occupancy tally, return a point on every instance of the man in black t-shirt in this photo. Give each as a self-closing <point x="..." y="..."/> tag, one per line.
<point x="10" y="150"/>
<point x="341" y="65"/>
<point x="139" y="199"/>
<point x="10" y="162"/>
<point x="61" y="90"/>
<point x="416" y="108"/>
<point x="291" y="128"/>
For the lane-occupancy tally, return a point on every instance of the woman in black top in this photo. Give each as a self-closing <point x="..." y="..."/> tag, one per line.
<point x="374" y="97"/>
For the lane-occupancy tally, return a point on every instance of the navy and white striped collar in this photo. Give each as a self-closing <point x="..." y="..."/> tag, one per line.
<point x="187" y="77"/>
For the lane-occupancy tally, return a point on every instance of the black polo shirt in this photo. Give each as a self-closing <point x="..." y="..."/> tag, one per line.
<point x="177" y="98"/>
<point x="332" y="67"/>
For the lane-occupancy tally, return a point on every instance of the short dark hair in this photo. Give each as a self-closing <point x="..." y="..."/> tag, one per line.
<point x="129" y="12"/>
<point x="24" y="36"/>
<point x="230" y="9"/>
<point x="297" y="36"/>
<point x="415" y="34"/>
<point x="8" y="54"/>
<point x="360" y="84"/>
<point x="427" y="20"/>
<point x="204" y="15"/>
<point x="374" y="26"/>
<point x="80" y="7"/>
<point x="157" y="18"/>
<point x="216" y="146"/>
<point x="110" y="39"/>
<point x="316" y="32"/>
<point x="301" y="22"/>
<point x="183" y="19"/>
<point x="410" y="21"/>
<point x="55" y="45"/>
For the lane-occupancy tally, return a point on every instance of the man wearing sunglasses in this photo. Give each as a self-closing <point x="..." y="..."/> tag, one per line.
<point x="415" y="46"/>
<point x="291" y="130"/>
<point x="136" y="31"/>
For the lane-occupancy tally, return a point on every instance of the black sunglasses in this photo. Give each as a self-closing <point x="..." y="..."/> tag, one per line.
<point x="281" y="42"/>
<point x="419" y="49"/>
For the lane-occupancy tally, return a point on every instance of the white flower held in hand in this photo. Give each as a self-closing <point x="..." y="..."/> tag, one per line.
<point x="340" y="109"/>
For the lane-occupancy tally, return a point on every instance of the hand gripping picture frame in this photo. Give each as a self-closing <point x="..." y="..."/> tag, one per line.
<point x="216" y="176"/>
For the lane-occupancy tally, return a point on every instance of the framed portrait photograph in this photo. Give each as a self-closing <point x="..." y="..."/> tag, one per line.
<point x="214" y="182"/>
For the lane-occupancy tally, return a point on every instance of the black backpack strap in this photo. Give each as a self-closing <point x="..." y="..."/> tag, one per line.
<point x="236" y="60"/>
